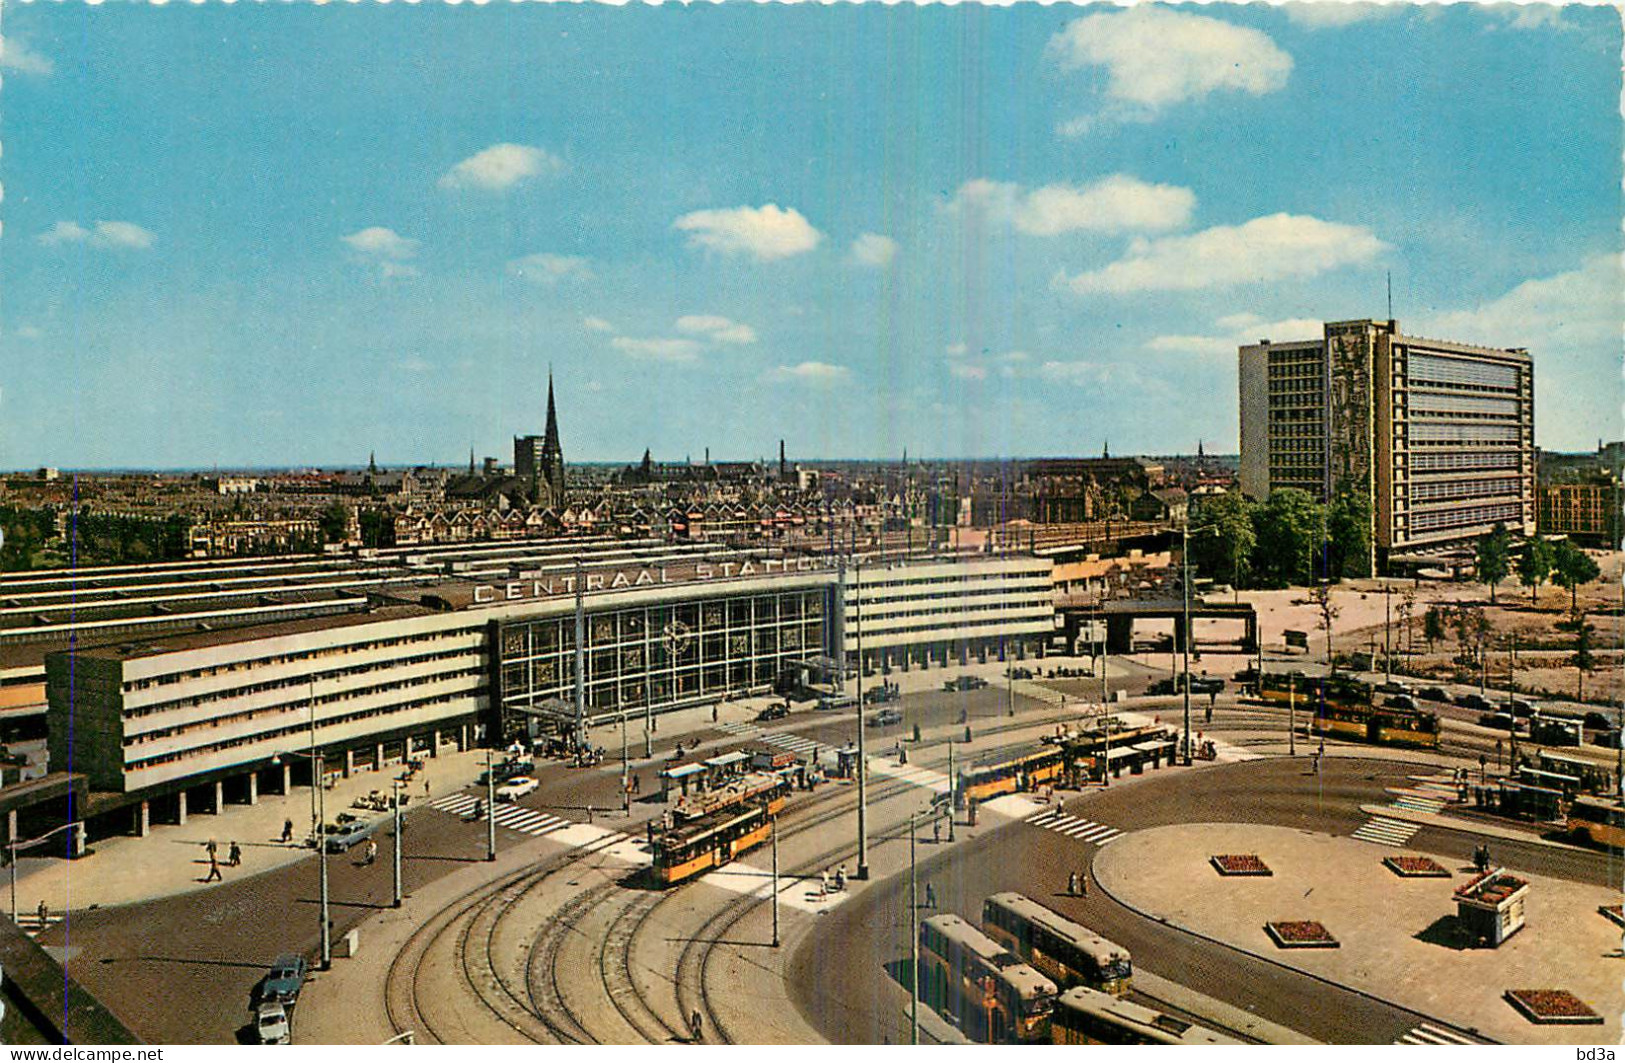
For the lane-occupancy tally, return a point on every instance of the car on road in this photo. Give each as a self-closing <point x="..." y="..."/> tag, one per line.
<point x="1522" y="709"/>
<point x="885" y="718"/>
<point x="1477" y="702"/>
<point x="349" y="835"/>
<point x="271" y="1024"/>
<point x="1400" y="701"/>
<point x="283" y="981"/>
<point x="1434" y="694"/>
<point x="1200" y="684"/>
<point x="517" y="787"/>
<point x="831" y="702"/>
<point x="1598" y="721"/>
<point x="1393" y="686"/>
<point x="965" y="682"/>
<point x="881" y="694"/>
<point x="777" y="711"/>
<point x="1502" y="721"/>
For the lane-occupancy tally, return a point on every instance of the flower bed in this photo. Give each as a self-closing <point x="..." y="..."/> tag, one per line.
<point x="1301" y="934"/>
<point x="1415" y="867"/>
<point x="1614" y="912"/>
<point x="1240" y="864"/>
<point x="1551" y="1005"/>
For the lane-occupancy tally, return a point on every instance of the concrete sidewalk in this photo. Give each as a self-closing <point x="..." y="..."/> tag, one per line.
<point x="1393" y="931"/>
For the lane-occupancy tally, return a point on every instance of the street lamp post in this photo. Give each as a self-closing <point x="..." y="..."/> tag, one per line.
<point x="1291" y="713"/>
<point x="13" y="845"/>
<point x="1387" y="629"/>
<point x="1185" y="587"/>
<point x="913" y="938"/>
<point x="490" y="806"/>
<point x="626" y="771"/>
<point x="321" y="849"/>
<point x="774" y="827"/>
<point x="953" y="784"/>
<point x="863" y="759"/>
<point x="396" y="791"/>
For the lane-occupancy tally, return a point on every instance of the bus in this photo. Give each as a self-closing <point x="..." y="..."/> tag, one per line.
<point x="1410" y="728"/>
<point x="1065" y="951"/>
<point x="1598" y="821"/>
<point x="1010" y="773"/>
<point x="685" y="850"/>
<point x="1085" y="1016"/>
<point x="967" y="975"/>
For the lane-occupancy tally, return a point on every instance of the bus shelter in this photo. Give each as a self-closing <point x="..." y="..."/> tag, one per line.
<point x="684" y="775"/>
<point x="720" y="770"/>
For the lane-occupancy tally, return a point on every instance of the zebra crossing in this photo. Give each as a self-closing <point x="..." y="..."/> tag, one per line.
<point x="514" y="817"/>
<point x="1380" y="830"/>
<point x="739" y="729"/>
<point x="797" y="744"/>
<point x="1417" y="803"/>
<point x="1084" y="830"/>
<point x="1428" y="1034"/>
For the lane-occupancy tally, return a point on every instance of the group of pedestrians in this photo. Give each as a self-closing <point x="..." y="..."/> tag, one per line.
<point x="1077" y="884"/>
<point x="234" y="858"/>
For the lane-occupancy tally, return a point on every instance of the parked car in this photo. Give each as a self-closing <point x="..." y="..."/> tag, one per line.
<point x="1476" y="702"/>
<point x="349" y="835"/>
<point x="1393" y="686"/>
<point x="1599" y="721"/>
<point x="1200" y="684"/>
<point x="1400" y="701"/>
<point x="965" y="682"/>
<point x="776" y="711"/>
<point x="1502" y="721"/>
<point x="885" y="718"/>
<point x="1247" y="675"/>
<point x="1522" y="709"/>
<point x="1434" y="694"/>
<point x="283" y="981"/>
<point x="271" y="1024"/>
<point x="831" y="702"/>
<point x="1019" y="673"/>
<point x="517" y="787"/>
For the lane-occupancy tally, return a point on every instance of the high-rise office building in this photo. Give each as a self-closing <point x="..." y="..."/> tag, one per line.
<point x="1439" y="437"/>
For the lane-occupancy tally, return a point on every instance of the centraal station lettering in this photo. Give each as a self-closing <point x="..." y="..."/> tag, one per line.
<point x="646" y="576"/>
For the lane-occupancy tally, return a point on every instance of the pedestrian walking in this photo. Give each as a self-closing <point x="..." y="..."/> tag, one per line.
<point x="372" y="850"/>
<point x="823" y="883"/>
<point x="44" y="914"/>
<point x="214" y="870"/>
<point x="713" y="720"/>
<point x="211" y="848"/>
<point x="1072" y="884"/>
<point x="287" y="831"/>
<point x="1083" y="882"/>
<point x="930" y="896"/>
<point x="425" y="789"/>
<point x="936" y="832"/>
<point x="235" y="855"/>
<point x="696" y="1026"/>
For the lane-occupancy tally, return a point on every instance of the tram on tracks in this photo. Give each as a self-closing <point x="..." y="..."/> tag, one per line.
<point x="967" y="975"/>
<point x="1310" y="692"/>
<point x="1085" y="1016"/>
<point x="691" y="848"/>
<point x="1408" y="728"/>
<point x="1598" y="821"/>
<point x="1009" y="773"/>
<point x="1067" y="952"/>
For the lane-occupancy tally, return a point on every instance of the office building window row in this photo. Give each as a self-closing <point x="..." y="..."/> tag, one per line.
<point x="1436" y="432"/>
<point x="1428" y="368"/>
<point x="250" y="663"/>
<point x="884" y="617"/>
<point x="1451" y="461"/>
<point x="1463" y="405"/>
<point x="1438" y="520"/>
<point x="1435" y="491"/>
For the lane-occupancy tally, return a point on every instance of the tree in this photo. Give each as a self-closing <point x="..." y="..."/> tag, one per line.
<point x="1321" y="595"/>
<point x="1493" y="560"/>
<point x="1222" y="536"/>
<point x="333" y="521"/>
<point x="1288" y="527"/>
<point x="1572" y="568"/>
<point x="1535" y="566"/>
<point x="1348" y="530"/>
<point x="1434" y="625"/>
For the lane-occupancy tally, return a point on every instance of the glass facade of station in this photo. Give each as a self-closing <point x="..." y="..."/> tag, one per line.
<point x="662" y="654"/>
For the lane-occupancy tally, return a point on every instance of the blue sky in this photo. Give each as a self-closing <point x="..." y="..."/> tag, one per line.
<point x="248" y="235"/>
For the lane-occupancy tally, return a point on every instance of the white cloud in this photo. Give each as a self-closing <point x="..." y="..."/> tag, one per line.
<point x="1333" y="14"/>
<point x="679" y="351"/>
<point x="961" y="371"/>
<point x="107" y="235"/>
<point x="1264" y="249"/>
<point x="874" y="250"/>
<point x="501" y="166"/>
<point x="715" y="328"/>
<point x="1525" y="16"/>
<point x="29" y="332"/>
<point x="1115" y="204"/>
<point x="548" y="269"/>
<point x="1235" y="330"/>
<point x="813" y="374"/>
<point x="18" y="56"/>
<point x="1567" y="313"/>
<point x="1154" y="58"/>
<point x="597" y="324"/>
<point x="765" y="233"/>
<point x="414" y="364"/>
<point x="1010" y="364"/>
<point x="384" y="249"/>
<point x="955" y="350"/>
<point x="1100" y="374"/>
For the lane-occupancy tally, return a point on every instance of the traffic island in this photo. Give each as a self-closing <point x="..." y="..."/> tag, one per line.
<point x="1490" y="906"/>
<point x="1240" y="865"/>
<point x="1301" y="934"/>
<point x="1415" y="867"/>
<point x="1552" y="1006"/>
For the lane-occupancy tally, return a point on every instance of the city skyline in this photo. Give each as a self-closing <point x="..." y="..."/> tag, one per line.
<point x="1026" y="239"/>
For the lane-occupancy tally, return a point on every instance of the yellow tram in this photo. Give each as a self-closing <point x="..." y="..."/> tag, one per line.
<point x="694" y="847"/>
<point x="1065" y="951"/>
<point x="993" y="995"/>
<point x="1010" y="774"/>
<point x="1085" y="1016"/>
